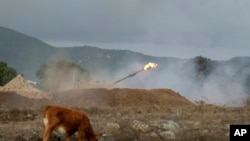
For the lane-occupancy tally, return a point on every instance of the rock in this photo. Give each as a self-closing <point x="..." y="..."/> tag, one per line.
<point x="171" y="126"/>
<point x="153" y="134"/>
<point x="197" y="125"/>
<point x="158" y="107"/>
<point x="139" y="126"/>
<point x="107" y="137"/>
<point x="112" y="127"/>
<point x="167" y="129"/>
<point x="168" y="135"/>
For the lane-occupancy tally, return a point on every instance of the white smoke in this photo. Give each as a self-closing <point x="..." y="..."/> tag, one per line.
<point x="222" y="86"/>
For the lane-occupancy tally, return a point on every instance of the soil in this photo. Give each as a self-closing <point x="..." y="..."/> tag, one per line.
<point x="20" y="86"/>
<point x="21" y="116"/>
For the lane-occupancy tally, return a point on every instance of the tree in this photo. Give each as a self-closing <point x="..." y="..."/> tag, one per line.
<point x="6" y="73"/>
<point x="203" y="67"/>
<point x="61" y="75"/>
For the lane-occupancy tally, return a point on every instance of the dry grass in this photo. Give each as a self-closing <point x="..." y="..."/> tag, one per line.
<point x="198" y="122"/>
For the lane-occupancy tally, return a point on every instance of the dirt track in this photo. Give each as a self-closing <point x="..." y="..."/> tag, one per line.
<point x="124" y="114"/>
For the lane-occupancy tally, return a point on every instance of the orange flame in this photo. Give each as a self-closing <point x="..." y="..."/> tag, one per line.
<point x="149" y="66"/>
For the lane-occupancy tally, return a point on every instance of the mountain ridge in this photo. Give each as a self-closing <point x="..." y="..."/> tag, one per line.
<point x="26" y="54"/>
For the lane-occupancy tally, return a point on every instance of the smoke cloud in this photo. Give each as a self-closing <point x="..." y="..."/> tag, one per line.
<point x="225" y="85"/>
<point x="63" y="75"/>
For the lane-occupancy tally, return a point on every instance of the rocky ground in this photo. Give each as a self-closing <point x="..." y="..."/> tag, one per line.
<point x="124" y="115"/>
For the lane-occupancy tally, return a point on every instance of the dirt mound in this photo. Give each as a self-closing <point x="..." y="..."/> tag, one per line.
<point x="9" y="99"/>
<point x="121" y="97"/>
<point x="20" y="86"/>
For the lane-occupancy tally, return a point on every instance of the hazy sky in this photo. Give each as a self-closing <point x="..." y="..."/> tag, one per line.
<point x="218" y="29"/>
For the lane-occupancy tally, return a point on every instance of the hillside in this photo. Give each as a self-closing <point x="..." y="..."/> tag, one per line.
<point x="174" y="101"/>
<point x="229" y="79"/>
<point x="26" y="54"/>
<point x="23" y="52"/>
<point x="121" y="97"/>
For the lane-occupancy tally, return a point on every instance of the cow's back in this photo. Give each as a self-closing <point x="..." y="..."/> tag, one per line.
<point x="68" y="118"/>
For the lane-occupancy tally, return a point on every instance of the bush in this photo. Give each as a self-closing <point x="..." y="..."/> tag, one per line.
<point x="6" y="73"/>
<point x="203" y="67"/>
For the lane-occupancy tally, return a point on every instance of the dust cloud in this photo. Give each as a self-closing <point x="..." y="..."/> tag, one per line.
<point x="222" y="86"/>
<point x="225" y="84"/>
<point x="63" y="75"/>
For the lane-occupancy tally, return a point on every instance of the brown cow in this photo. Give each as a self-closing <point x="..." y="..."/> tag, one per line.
<point x="67" y="121"/>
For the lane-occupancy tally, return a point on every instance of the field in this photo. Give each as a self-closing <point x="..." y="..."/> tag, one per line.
<point x="124" y="115"/>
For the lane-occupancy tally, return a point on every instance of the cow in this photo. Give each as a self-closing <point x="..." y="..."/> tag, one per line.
<point x="67" y="121"/>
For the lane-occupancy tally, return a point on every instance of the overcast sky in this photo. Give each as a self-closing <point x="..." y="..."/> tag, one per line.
<point x="218" y="29"/>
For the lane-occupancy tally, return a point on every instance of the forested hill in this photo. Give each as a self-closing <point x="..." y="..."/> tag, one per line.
<point x="26" y="54"/>
<point x="23" y="52"/>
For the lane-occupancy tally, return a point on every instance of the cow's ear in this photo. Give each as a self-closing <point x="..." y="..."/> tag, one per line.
<point x="98" y="136"/>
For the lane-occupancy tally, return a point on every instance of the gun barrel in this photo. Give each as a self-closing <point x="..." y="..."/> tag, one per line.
<point x="130" y="75"/>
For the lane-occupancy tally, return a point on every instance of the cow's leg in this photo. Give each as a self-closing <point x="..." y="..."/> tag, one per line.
<point x="81" y="135"/>
<point x="68" y="138"/>
<point x="47" y="133"/>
